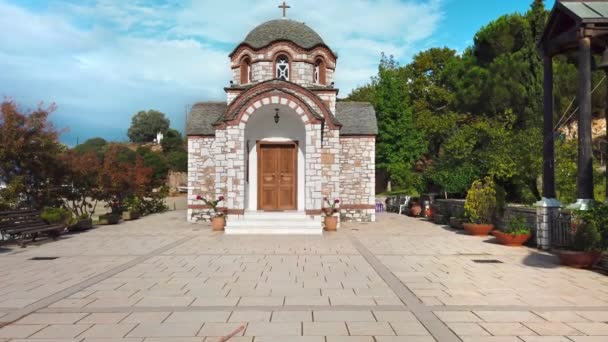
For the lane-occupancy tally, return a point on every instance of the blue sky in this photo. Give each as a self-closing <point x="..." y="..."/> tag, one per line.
<point x="101" y="61"/>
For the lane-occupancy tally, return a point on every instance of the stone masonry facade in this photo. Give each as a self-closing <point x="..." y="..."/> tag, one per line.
<point x="357" y="178"/>
<point x="335" y="166"/>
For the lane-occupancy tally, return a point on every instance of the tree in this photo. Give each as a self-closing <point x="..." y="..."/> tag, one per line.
<point x="29" y="150"/>
<point x="145" y="125"/>
<point x="178" y="161"/>
<point x="95" y="145"/>
<point x="81" y="191"/>
<point x="156" y="162"/>
<point x="123" y="175"/>
<point x="399" y="144"/>
<point x="173" y="141"/>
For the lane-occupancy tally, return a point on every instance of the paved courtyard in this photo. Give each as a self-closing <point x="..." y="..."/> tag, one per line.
<point x="399" y="279"/>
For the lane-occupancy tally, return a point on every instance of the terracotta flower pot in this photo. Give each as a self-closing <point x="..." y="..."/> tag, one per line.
<point x="478" y="229"/>
<point x="456" y="223"/>
<point x="428" y="213"/>
<point x="331" y="223"/>
<point x="510" y="239"/>
<point x="218" y="223"/>
<point x="579" y="259"/>
<point x="416" y="210"/>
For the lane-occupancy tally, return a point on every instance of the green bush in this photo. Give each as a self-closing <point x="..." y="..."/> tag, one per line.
<point x="484" y="201"/>
<point x="591" y="232"/>
<point x="518" y="226"/>
<point x="56" y="215"/>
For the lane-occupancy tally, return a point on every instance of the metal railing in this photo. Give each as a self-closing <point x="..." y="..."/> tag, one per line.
<point x="561" y="234"/>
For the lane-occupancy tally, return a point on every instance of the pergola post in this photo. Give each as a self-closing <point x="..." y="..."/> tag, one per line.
<point x="548" y="207"/>
<point x="585" y="152"/>
<point x="549" y="137"/>
<point x="606" y="141"/>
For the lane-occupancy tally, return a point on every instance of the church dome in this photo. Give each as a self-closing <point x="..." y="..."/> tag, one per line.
<point x="283" y="29"/>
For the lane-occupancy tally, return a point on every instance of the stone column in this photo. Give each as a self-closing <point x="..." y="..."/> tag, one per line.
<point x="548" y="207"/>
<point x="585" y="152"/>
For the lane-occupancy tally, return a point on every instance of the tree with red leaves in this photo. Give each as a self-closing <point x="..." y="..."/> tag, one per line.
<point x="123" y="175"/>
<point x="29" y="151"/>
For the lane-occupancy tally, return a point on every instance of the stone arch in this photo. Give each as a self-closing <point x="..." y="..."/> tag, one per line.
<point x="262" y="89"/>
<point x="275" y="97"/>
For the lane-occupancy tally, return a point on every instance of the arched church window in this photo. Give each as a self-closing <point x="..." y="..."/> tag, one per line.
<point x="246" y="70"/>
<point x="319" y="73"/>
<point x="282" y="67"/>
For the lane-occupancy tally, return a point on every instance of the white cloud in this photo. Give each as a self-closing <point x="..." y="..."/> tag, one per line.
<point x="102" y="60"/>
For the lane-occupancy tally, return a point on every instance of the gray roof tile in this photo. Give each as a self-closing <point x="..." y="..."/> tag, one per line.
<point x="202" y="117"/>
<point x="357" y="118"/>
<point x="283" y="29"/>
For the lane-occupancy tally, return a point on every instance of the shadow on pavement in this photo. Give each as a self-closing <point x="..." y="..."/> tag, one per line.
<point x="541" y="260"/>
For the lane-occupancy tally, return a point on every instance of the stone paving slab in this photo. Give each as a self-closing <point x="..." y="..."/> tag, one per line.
<point x="400" y="279"/>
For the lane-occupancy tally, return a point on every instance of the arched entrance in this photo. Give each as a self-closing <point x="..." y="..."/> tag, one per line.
<point x="276" y="159"/>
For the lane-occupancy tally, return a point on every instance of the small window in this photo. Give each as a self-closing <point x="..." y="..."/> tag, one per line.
<point x="282" y="66"/>
<point x="319" y="72"/>
<point x="246" y="71"/>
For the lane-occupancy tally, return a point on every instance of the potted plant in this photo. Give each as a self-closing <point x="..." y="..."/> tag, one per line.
<point x="132" y="211"/>
<point x="456" y="222"/>
<point x="517" y="233"/>
<point x="484" y="200"/>
<point x="109" y="219"/>
<point x="415" y="208"/>
<point x="331" y="221"/>
<point x="53" y="215"/>
<point x="218" y="221"/>
<point x="82" y="222"/>
<point x="589" y="237"/>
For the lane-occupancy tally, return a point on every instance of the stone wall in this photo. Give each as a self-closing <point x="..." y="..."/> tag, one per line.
<point x="201" y="176"/>
<point x="330" y="163"/>
<point x="455" y="208"/>
<point x="229" y="151"/>
<point x="301" y="66"/>
<point x="357" y="178"/>
<point x="175" y="180"/>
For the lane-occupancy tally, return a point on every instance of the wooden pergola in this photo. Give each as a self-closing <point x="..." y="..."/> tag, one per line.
<point x="579" y="26"/>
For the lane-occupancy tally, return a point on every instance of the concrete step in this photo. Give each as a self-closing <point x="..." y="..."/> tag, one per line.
<point x="279" y="223"/>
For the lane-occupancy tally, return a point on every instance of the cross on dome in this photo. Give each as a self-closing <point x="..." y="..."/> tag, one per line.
<point x="284" y="7"/>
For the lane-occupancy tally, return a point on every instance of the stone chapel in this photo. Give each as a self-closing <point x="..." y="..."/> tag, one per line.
<point x="281" y="142"/>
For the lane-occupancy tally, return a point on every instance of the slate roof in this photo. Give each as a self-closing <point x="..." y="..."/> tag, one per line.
<point x="202" y="117"/>
<point x="357" y="118"/>
<point x="283" y="29"/>
<point x="587" y="11"/>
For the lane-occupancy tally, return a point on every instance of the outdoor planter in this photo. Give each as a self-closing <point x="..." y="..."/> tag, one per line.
<point x="81" y="225"/>
<point x="578" y="259"/>
<point x="478" y="229"/>
<point x="109" y="219"/>
<point x="511" y="239"/>
<point x="415" y="210"/>
<point x="331" y="223"/>
<point x="439" y="219"/>
<point x="218" y="223"/>
<point x="456" y="223"/>
<point x="130" y="215"/>
<point x="428" y="213"/>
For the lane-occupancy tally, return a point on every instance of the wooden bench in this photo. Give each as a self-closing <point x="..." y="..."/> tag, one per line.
<point x="20" y="224"/>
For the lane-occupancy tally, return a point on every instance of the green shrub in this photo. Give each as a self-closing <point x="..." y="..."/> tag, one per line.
<point x="518" y="226"/>
<point x="484" y="201"/>
<point x="591" y="232"/>
<point x="56" y="215"/>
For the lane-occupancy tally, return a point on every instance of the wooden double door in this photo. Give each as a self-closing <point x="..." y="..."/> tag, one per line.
<point x="277" y="176"/>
